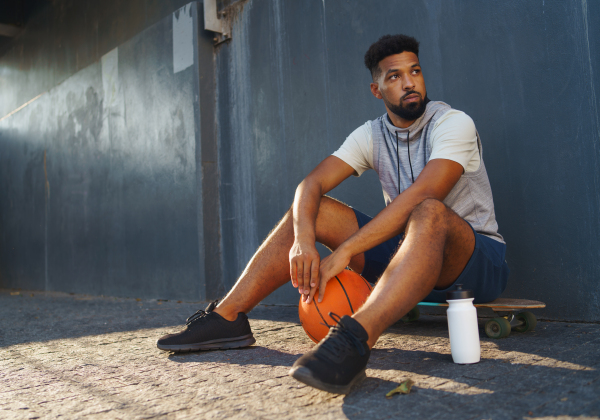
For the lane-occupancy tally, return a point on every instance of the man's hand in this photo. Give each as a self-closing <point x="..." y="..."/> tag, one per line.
<point x="304" y="267"/>
<point x="304" y="258"/>
<point x="330" y="266"/>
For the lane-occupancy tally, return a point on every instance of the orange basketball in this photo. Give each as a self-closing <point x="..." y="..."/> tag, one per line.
<point x="344" y="294"/>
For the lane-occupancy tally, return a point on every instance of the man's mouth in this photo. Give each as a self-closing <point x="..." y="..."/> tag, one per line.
<point x="413" y="97"/>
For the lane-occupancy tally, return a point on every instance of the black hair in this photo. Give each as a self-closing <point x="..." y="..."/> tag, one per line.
<point x="388" y="45"/>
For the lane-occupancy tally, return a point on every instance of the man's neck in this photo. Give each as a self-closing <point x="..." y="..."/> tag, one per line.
<point x="397" y="121"/>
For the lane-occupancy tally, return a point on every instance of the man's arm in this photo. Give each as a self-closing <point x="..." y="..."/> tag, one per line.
<point x="304" y="257"/>
<point x="436" y="180"/>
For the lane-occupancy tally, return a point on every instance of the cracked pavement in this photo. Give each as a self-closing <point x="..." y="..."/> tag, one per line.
<point x="78" y="356"/>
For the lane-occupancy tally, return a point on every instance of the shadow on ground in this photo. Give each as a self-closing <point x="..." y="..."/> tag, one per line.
<point x="513" y="384"/>
<point x="32" y="316"/>
<point x="548" y="372"/>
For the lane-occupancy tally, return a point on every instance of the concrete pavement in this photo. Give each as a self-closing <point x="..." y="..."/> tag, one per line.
<point x="77" y="356"/>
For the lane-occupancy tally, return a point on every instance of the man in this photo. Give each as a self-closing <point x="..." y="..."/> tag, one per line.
<point x="438" y="228"/>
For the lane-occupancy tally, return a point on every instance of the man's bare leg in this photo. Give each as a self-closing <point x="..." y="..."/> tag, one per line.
<point x="437" y="246"/>
<point x="269" y="268"/>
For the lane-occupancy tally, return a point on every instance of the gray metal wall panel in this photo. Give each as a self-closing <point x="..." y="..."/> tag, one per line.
<point x="292" y="86"/>
<point x="121" y="214"/>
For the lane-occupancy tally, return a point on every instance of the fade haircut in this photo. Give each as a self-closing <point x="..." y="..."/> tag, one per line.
<point x="388" y="45"/>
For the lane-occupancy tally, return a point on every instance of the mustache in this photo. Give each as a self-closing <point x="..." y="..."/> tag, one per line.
<point x="412" y="92"/>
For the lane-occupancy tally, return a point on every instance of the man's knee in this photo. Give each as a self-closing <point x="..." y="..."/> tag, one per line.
<point x="330" y="208"/>
<point x="429" y="210"/>
<point x="331" y="203"/>
<point x="327" y="204"/>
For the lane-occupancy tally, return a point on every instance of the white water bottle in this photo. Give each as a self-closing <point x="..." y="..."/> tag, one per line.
<point x="462" y="326"/>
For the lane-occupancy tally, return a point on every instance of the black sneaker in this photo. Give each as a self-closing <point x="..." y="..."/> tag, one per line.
<point x="338" y="362"/>
<point x="207" y="330"/>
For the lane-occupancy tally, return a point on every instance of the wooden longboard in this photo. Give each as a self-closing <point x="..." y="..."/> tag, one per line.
<point x="513" y="315"/>
<point x="499" y="304"/>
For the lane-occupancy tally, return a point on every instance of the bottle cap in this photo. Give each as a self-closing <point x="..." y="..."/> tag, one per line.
<point x="459" y="293"/>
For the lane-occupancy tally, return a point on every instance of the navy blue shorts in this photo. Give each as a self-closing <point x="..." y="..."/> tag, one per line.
<point x="486" y="272"/>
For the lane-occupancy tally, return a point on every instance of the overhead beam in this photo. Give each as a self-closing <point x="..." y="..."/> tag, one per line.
<point x="9" y="30"/>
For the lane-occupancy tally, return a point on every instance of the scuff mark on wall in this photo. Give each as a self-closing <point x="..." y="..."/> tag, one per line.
<point x="233" y="12"/>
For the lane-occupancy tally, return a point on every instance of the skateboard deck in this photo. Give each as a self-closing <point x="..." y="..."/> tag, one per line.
<point x="512" y="315"/>
<point x="499" y="304"/>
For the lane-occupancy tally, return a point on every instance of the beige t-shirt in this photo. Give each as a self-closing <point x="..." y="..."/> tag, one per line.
<point x="453" y="137"/>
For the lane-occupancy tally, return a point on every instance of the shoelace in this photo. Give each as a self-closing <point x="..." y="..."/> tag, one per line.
<point x="341" y="338"/>
<point x="201" y="313"/>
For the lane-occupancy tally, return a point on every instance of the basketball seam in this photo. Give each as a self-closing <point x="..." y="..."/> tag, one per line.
<point x="320" y="314"/>
<point x="347" y="298"/>
<point x="311" y="336"/>
<point x="367" y="283"/>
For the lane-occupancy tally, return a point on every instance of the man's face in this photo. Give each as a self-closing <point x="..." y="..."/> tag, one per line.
<point x="401" y="87"/>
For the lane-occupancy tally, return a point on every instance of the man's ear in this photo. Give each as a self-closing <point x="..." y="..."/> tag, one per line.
<point x="375" y="90"/>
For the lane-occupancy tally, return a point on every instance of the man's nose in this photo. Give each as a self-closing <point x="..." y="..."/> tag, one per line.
<point x="408" y="83"/>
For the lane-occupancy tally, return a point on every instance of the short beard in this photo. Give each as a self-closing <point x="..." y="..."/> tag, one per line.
<point x="412" y="111"/>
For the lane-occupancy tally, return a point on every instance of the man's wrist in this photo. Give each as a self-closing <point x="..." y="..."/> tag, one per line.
<point x="305" y="238"/>
<point x="345" y="249"/>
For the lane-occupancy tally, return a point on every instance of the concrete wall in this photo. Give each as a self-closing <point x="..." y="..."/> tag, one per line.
<point x="289" y="87"/>
<point x="99" y="174"/>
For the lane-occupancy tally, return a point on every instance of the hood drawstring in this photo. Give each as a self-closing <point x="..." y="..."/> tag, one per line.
<point x="409" y="159"/>
<point x="398" y="158"/>
<point x="409" y="162"/>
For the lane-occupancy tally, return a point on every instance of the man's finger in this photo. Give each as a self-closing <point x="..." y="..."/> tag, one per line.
<point x="307" y="273"/>
<point x="300" y="276"/>
<point x="293" y="273"/>
<point x="314" y="273"/>
<point x="322" y="286"/>
<point x="311" y="295"/>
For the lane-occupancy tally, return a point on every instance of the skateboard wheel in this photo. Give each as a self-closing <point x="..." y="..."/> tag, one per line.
<point x="497" y="328"/>
<point x="412" y="315"/>
<point x="529" y="322"/>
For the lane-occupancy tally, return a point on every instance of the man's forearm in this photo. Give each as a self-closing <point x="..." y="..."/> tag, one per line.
<point x="304" y="257"/>
<point x="305" y="210"/>
<point x="391" y="221"/>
